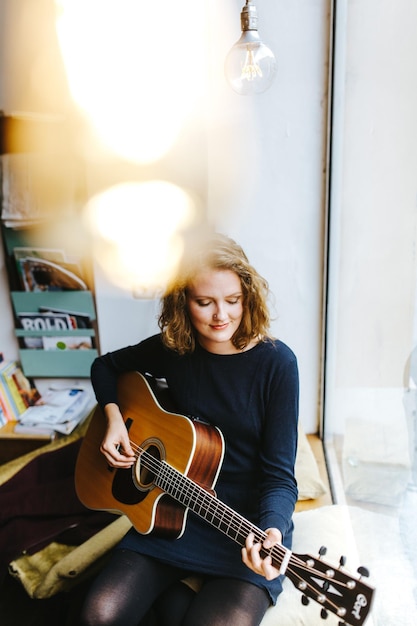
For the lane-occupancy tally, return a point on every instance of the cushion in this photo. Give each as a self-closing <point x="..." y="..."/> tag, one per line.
<point x="310" y="484"/>
<point x="329" y="526"/>
<point x="59" y="567"/>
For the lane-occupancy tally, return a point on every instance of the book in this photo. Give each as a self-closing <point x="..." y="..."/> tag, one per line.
<point x="3" y="415"/>
<point x="20" y="391"/>
<point x="9" y="401"/>
<point x="26" y="387"/>
<point x="8" y="410"/>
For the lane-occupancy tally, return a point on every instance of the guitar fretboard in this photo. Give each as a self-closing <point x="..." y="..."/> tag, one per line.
<point x="208" y="507"/>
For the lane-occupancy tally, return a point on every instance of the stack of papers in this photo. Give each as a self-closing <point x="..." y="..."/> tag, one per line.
<point x="58" y="411"/>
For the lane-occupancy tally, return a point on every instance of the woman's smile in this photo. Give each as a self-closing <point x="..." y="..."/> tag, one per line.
<point x="215" y="307"/>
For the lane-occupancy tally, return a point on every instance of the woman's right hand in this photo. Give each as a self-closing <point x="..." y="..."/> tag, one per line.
<point x="116" y="445"/>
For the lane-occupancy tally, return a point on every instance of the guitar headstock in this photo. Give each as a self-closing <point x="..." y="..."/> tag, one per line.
<point x="346" y="596"/>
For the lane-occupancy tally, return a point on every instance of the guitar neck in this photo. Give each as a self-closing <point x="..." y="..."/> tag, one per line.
<point x="215" y="512"/>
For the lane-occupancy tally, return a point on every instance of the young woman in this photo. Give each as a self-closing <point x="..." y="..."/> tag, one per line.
<point x="221" y="365"/>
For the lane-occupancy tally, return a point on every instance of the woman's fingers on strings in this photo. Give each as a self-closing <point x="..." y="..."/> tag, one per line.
<point x="251" y="556"/>
<point x="117" y="456"/>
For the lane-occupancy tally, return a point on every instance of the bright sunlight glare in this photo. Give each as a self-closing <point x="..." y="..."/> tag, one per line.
<point x="136" y="230"/>
<point x="134" y="68"/>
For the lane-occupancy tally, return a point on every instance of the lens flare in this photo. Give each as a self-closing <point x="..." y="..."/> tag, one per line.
<point x="134" y="69"/>
<point x="137" y="231"/>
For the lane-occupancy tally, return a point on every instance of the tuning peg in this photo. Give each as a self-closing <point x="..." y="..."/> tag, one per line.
<point x="324" y="614"/>
<point x="322" y="550"/>
<point x="305" y="600"/>
<point x="363" y="571"/>
<point x="342" y="561"/>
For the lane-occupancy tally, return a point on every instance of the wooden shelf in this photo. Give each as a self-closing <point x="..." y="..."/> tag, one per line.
<point x="13" y="445"/>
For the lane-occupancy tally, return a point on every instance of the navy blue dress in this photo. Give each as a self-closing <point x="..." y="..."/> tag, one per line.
<point x="252" y="396"/>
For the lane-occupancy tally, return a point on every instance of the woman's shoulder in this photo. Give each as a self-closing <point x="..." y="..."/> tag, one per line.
<point x="276" y="348"/>
<point x="127" y="356"/>
<point x="153" y="340"/>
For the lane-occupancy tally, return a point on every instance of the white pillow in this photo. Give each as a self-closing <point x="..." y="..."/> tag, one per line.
<point x="329" y="526"/>
<point x="310" y="484"/>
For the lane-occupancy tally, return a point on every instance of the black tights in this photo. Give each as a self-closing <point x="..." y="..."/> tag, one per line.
<point x="124" y="593"/>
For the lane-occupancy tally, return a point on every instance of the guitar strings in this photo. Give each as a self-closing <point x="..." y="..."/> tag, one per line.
<point x="204" y="498"/>
<point x="196" y="495"/>
<point x="210" y="504"/>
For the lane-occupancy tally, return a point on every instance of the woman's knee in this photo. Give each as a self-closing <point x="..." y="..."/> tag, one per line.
<point x="102" y="613"/>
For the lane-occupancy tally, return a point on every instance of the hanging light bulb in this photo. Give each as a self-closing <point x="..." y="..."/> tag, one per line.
<point x="250" y="65"/>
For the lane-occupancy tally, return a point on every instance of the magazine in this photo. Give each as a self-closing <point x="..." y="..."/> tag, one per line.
<point x="74" y="342"/>
<point x="47" y="269"/>
<point x="45" y="321"/>
<point x="78" y="320"/>
<point x="60" y="410"/>
<point x="42" y="275"/>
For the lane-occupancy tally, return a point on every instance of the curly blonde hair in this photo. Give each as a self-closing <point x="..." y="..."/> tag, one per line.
<point x="219" y="253"/>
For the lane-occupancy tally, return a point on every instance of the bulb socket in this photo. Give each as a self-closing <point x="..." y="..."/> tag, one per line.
<point x="249" y="17"/>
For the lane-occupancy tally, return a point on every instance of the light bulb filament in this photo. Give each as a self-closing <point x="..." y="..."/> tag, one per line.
<point x="250" y="69"/>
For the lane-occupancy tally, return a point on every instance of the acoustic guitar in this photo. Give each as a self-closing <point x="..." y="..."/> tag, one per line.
<point x="177" y="464"/>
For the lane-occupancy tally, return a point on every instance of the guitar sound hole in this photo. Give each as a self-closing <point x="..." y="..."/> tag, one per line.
<point x="148" y="464"/>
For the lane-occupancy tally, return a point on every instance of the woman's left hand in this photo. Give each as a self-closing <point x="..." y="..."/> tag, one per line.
<point x="252" y="558"/>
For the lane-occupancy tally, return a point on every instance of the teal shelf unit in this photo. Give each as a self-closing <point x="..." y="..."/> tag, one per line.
<point x="38" y="363"/>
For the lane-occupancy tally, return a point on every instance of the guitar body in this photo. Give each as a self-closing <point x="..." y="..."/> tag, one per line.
<point x="192" y="447"/>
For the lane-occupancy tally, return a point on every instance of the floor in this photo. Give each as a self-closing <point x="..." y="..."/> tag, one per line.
<point x="16" y="608"/>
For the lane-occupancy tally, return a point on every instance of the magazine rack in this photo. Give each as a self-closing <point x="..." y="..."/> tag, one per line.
<point x="55" y="363"/>
<point x="38" y="362"/>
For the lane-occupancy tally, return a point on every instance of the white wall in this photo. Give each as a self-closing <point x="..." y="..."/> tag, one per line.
<point x="265" y="183"/>
<point x="258" y="164"/>
<point x="281" y="219"/>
